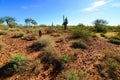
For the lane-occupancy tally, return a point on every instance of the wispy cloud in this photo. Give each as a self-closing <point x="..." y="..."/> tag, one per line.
<point x="31" y="6"/>
<point x="24" y="7"/>
<point x="115" y="5"/>
<point x="96" y="4"/>
<point x="35" y="6"/>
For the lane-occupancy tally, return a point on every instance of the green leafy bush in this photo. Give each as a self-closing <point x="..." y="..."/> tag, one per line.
<point x="18" y="59"/>
<point x="100" y="25"/>
<point x="101" y="29"/>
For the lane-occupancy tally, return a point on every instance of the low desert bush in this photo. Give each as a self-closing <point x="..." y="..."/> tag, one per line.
<point x="79" y="44"/>
<point x="50" y="60"/>
<point x="72" y="75"/>
<point x="18" y="35"/>
<point x="55" y="34"/>
<point x="18" y="59"/>
<point x="40" y="43"/>
<point x="49" y="30"/>
<point x="61" y="39"/>
<point x="115" y="39"/>
<point x="109" y="67"/>
<point x="11" y="67"/>
<point x="64" y="58"/>
<point x="75" y="75"/>
<point x="80" y="32"/>
<point x="29" y="37"/>
<point x="3" y="32"/>
<point x="102" y="29"/>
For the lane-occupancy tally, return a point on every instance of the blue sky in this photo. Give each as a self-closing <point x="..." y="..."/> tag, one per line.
<point x="48" y="11"/>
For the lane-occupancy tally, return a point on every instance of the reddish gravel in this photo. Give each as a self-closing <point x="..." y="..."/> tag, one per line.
<point x="85" y="59"/>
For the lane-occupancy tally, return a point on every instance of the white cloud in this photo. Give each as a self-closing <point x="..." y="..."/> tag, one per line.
<point x="96" y="4"/>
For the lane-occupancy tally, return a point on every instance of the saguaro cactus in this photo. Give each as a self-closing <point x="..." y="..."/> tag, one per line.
<point x="40" y="33"/>
<point x="65" y="22"/>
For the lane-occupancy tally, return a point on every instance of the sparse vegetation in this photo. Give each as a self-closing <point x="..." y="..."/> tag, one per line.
<point x="80" y="32"/>
<point x="40" y="43"/>
<point x="75" y="75"/>
<point x="29" y="37"/>
<point x="3" y="32"/>
<point x="79" y="44"/>
<point x="64" y="58"/>
<point x="1" y="46"/>
<point x="53" y="53"/>
<point x="115" y="39"/>
<point x="18" y="59"/>
<point x="18" y="35"/>
<point x="11" y="67"/>
<point x="100" y="25"/>
<point x="72" y="75"/>
<point x="109" y="67"/>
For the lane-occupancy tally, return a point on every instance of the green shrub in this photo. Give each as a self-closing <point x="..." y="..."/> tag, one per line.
<point x="18" y="59"/>
<point x="18" y="35"/>
<point x="64" y="58"/>
<point x="3" y="32"/>
<point x="115" y="39"/>
<point x="10" y="68"/>
<point x="72" y="75"/>
<point x="79" y="44"/>
<point x="80" y="32"/>
<point x="102" y="29"/>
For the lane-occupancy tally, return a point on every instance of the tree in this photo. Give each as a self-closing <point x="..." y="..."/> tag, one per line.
<point x="1" y="20"/>
<point x="9" y="20"/>
<point x="100" y="25"/>
<point x="30" y="21"/>
<point x="33" y="22"/>
<point x="80" y="24"/>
